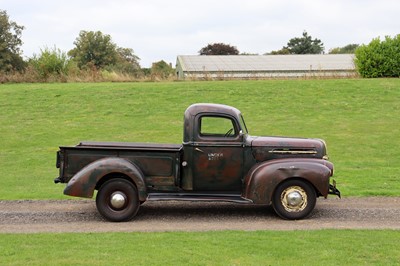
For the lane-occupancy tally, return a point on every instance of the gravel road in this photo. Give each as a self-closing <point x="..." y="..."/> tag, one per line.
<point x="34" y="216"/>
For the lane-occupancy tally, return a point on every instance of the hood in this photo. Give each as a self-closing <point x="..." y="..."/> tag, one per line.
<point x="267" y="148"/>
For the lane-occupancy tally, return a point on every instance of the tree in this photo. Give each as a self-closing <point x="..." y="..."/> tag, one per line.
<point x="94" y="49"/>
<point x="348" y="49"/>
<point x="219" y="49"/>
<point x="10" y="42"/>
<point x="304" y="45"/>
<point x="282" y="51"/>
<point x="127" y="62"/>
<point x="161" y="69"/>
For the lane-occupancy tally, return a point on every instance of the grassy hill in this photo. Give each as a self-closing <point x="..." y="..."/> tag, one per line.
<point x="359" y="119"/>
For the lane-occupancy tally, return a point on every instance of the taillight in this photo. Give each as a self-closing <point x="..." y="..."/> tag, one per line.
<point x="58" y="161"/>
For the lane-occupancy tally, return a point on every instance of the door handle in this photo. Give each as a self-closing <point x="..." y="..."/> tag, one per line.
<point x="197" y="149"/>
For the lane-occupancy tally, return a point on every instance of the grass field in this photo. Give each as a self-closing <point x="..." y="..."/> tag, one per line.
<point x="359" y="119"/>
<point x="325" y="247"/>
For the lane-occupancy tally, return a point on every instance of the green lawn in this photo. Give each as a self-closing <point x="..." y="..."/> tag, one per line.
<point x="359" y="119"/>
<point x="320" y="247"/>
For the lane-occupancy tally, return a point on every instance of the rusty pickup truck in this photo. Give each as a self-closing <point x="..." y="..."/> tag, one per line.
<point x="217" y="161"/>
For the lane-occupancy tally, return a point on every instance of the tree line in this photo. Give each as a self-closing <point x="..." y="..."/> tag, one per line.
<point x="96" y="57"/>
<point x="374" y="60"/>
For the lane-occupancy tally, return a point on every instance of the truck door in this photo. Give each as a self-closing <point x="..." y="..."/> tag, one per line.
<point x="217" y="154"/>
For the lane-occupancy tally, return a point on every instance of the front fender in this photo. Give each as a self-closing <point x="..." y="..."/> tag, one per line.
<point x="262" y="180"/>
<point x="83" y="183"/>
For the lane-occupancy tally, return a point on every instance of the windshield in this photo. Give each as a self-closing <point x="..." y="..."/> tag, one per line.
<point x="243" y="125"/>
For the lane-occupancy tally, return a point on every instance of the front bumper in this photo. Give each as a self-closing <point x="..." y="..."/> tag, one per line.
<point x="333" y="190"/>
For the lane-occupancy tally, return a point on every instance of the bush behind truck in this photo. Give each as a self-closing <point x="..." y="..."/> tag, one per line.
<point x="217" y="161"/>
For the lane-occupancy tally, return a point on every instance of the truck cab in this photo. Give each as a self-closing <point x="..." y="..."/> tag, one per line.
<point x="214" y="146"/>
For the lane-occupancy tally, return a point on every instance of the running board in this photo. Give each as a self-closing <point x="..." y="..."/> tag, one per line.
<point x="198" y="197"/>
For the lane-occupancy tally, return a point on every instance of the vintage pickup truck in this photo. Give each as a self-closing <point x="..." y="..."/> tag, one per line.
<point x="217" y="161"/>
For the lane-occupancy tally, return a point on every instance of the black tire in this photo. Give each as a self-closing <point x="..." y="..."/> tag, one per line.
<point x="294" y="199"/>
<point x="117" y="200"/>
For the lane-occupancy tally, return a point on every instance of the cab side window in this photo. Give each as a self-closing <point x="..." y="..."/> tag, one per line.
<point x="214" y="126"/>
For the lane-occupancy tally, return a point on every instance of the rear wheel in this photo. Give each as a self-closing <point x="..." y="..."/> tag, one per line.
<point x="294" y="199"/>
<point x="117" y="200"/>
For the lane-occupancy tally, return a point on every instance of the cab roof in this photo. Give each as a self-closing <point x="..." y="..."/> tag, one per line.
<point x="198" y="108"/>
<point x="205" y="108"/>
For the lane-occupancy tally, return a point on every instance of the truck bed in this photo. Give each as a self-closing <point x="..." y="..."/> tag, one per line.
<point x="159" y="163"/>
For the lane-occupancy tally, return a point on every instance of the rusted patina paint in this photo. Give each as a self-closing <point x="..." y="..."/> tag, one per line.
<point x="85" y="181"/>
<point x="218" y="168"/>
<point x="225" y="164"/>
<point x="269" y="148"/>
<point x="263" y="178"/>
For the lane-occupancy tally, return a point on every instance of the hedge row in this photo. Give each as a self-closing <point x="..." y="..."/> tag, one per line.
<point x="379" y="58"/>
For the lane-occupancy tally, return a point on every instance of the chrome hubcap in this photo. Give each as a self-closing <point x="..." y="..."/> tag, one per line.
<point x="294" y="199"/>
<point x="117" y="200"/>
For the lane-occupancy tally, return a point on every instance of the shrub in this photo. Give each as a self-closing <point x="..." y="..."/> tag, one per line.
<point x="50" y="63"/>
<point x="161" y="70"/>
<point x="379" y="58"/>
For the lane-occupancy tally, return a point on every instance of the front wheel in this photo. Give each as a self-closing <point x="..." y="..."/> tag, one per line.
<point x="117" y="200"/>
<point x="294" y="199"/>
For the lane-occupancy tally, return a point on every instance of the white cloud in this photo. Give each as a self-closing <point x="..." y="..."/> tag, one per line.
<point x="161" y="30"/>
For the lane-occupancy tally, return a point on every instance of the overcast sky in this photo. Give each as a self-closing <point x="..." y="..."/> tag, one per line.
<point x="162" y="29"/>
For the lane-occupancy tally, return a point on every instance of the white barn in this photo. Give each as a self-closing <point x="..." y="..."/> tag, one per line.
<point x="264" y="66"/>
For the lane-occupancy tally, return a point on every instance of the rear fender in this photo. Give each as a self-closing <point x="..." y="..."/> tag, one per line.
<point x="262" y="179"/>
<point x="83" y="183"/>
